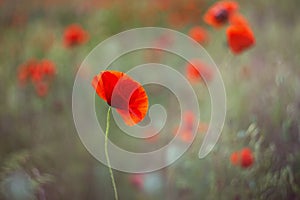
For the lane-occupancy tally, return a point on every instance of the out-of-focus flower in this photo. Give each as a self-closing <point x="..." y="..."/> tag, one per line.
<point x="162" y="42"/>
<point x="48" y="67"/>
<point x="123" y="93"/>
<point x="238" y="19"/>
<point x="239" y="37"/>
<point x="137" y="181"/>
<point x="199" y="34"/>
<point x="25" y="70"/>
<point x="243" y="158"/>
<point x="36" y="72"/>
<point x="75" y="35"/>
<point x="196" y="70"/>
<point x="39" y="73"/>
<point x="188" y="124"/>
<point x="203" y="127"/>
<point x="247" y="158"/>
<point x="234" y="158"/>
<point x="219" y="13"/>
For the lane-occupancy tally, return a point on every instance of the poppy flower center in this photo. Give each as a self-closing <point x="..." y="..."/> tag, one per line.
<point x="221" y="16"/>
<point x="119" y="102"/>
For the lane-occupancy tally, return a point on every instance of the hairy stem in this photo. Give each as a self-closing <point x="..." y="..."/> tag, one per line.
<point x="106" y="154"/>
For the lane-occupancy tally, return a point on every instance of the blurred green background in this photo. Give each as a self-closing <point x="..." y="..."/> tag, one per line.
<point x="43" y="158"/>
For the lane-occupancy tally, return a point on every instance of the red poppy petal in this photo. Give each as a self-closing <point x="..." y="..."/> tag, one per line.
<point x="105" y="82"/>
<point x="240" y="38"/>
<point x="122" y="93"/>
<point x="219" y="13"/>
<point x="199" y="34"/>
<point x="235" y="158"/>
<point x="197" y="70"/>
<point x="74" y="35"/>
<point x="140" y="106"/>
<point x="238" y="19"/>
<point x="230" y="6"/>
<point x="136" y="109"/>
<point x="98" y="86"/>
<point x="109" y="80"/>
<point x="247" y="158"/>
<point x="187" y="136"/>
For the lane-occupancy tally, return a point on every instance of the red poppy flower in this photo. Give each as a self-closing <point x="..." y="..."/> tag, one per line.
<point x="239" y="37"/>
<point x="36" y="74"/>
<point x="47" y="67"/>
<point x="123" y="93"/>
<point x="219" y="13"/>
<point x="238" y="19"/>
<point x="235" y="158"/>
<point x="247" y="158"/>
<point x="24" y="71"/>
<point x="244" y="158"/>
<point x="75" y="35"/>
<point x="197" y="70"/>
<point x="39" y="72"/>
<point x="199" y="34"/>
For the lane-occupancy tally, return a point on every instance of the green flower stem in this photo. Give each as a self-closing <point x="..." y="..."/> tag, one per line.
<point x="106" y="154"/>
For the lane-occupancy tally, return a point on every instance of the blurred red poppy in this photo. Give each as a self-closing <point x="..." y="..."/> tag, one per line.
<point x="247" y="158"/>
<point x="36" y="73"/>
<point x="186" y="134"/>
<point x="74" y="35"/>
<point x="47" y="67"/>
<point x="219" y="13"/>
<point x="39" y="72"/>
<point x="243" y="158"/>
<point x="238" y="19"/>
<point x="25" y="70"/>
<point x="199" y="34"/>
<point x="123" y="93"/>
<point x="137" y="180"/>
<point x="235" y="157"/>
<point x="196" y="70"/>
<point x="239" y="37"/>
